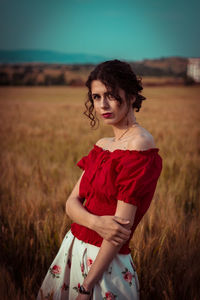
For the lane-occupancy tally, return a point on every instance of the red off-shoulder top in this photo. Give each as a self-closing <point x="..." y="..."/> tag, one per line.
<point x="127" y="175"/>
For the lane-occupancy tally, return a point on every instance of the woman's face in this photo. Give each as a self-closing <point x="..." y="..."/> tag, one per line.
<point x="106" y="106"/>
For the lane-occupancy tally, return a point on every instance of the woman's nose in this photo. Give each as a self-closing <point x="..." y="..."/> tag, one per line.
<point x="104" y="102"/>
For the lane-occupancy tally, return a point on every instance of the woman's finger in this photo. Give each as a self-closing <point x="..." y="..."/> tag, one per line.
<point x="123" y="231"/>
<point x="121" y="220"/>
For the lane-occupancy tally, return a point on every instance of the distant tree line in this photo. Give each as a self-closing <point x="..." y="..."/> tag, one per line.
<point x="142" y="70"/>
<point x="21" y="78"/>
<point x="30" y="75"/>
<point x="41" y="74"/>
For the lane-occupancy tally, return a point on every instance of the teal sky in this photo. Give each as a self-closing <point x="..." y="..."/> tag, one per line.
<point x="113" y="28"/>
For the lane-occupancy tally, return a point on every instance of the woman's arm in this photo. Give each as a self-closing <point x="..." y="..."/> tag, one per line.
<point x="107" y="250"/>
<point x="111" y="228"/>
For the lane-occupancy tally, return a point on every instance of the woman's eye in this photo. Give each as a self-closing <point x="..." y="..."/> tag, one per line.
<point x="95" y="97"/>
<point x="111" y="96"/>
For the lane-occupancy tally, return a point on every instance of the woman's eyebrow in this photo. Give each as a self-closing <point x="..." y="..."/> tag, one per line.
<point x="98" y="94"/>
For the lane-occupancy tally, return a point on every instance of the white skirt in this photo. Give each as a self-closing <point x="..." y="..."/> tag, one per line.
<point x="73" y="262"/>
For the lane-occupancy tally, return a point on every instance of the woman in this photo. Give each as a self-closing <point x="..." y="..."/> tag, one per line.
<point x="118" y="183"/>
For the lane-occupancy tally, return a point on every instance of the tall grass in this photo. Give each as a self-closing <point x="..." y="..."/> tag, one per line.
<point x="43" y="134"/>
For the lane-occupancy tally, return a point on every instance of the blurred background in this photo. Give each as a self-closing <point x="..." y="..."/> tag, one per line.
<point x="57" y="43"/>
<point x="47" y="50"/>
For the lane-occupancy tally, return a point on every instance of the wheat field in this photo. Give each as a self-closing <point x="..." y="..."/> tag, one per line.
<point x="43" y="134"/>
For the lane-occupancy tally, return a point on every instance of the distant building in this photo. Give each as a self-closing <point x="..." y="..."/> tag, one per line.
<point x="193" y="69"/>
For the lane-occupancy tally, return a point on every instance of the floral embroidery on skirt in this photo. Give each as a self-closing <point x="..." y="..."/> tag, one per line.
<point x="71" y="265"/>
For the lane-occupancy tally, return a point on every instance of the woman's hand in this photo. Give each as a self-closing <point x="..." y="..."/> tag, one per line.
<point x="114" y="229"/>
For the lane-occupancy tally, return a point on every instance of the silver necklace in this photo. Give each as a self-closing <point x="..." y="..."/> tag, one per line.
<point x="115" y="140"/>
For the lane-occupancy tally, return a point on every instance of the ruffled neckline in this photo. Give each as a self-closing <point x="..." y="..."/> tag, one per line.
<point x="96" y="147"/>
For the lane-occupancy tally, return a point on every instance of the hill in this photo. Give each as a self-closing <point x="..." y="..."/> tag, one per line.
<point x="47" y="56"/>
<point x="38" y="67"/>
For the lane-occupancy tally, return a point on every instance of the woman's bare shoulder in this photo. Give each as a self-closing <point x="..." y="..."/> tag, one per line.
<point x="103" y="142"/>
<point x="141" y="140"/>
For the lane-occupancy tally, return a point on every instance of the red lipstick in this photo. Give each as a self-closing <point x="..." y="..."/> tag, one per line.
<point x="107" y="115"/>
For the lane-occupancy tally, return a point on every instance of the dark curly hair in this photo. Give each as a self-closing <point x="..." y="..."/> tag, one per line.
<point x="114" y="74"/>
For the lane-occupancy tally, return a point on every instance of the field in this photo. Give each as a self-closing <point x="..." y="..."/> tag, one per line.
<point x="43" y="133"/>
